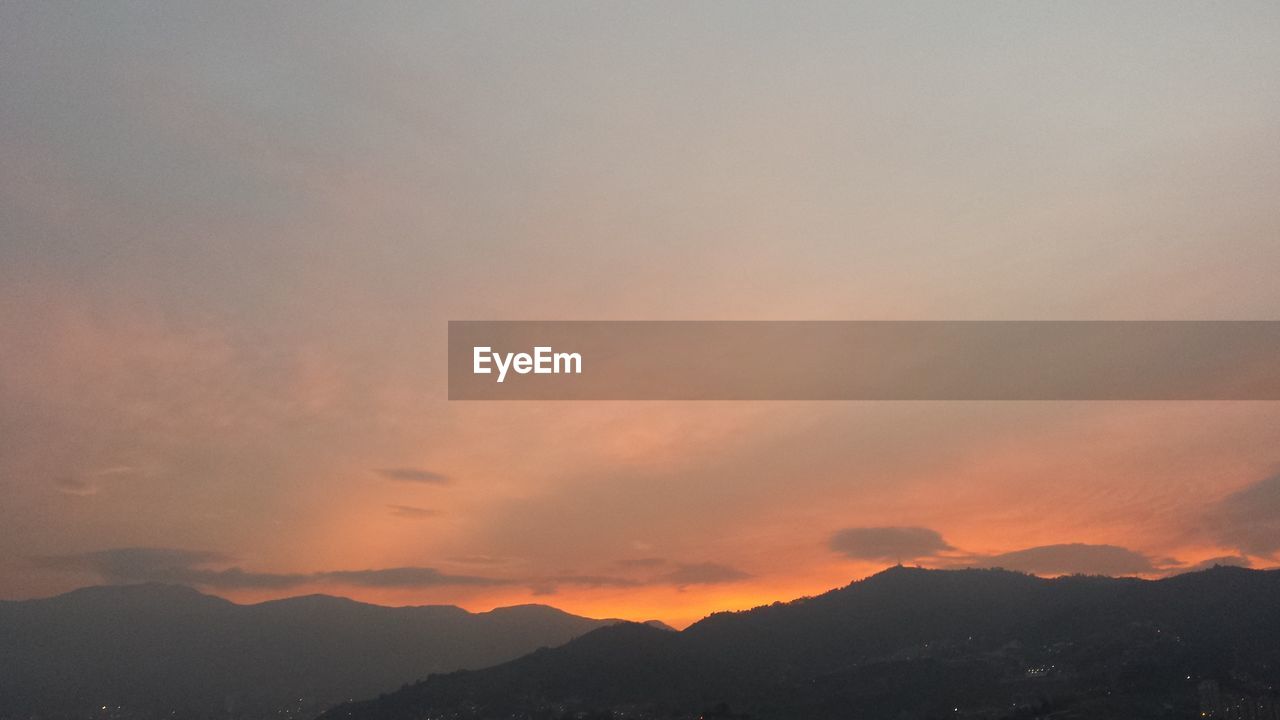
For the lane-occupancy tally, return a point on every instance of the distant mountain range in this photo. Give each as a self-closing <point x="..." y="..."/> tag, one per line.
<point x="907" y="644"/>
<point x="170" y="651"/>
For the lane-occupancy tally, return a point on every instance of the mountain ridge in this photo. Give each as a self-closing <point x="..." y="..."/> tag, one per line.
<point x="157" y="648"/>
<point x="181" y="590"/>
<point x="903" y="643"/>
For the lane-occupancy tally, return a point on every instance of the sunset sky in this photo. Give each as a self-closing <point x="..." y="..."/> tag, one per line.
<point x="231" y="238"/>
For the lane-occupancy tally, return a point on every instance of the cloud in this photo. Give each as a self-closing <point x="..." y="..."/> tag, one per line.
<point x="74" y="485"/>
<point x="134" y="564"/>
<point x="84" y="484"/>
<point x="889" y="544"/>
<point x="167" y="565"/>
<point x="203" y="568"/>
<point x="1225" y="561"/>
<point x="594" y="581"/>
<point x="236" y="578"/>
<point x="409" y="511"/>
<point x="550" y="586"/>
<point x="479" y="560"/>
<point x="913" y="543"/>
<point x="706" y="573"/>
<point x="1067" y="559"/>
<point x="1249" y="519"/>
<point x="415" y="475"/>
<point x="404" y="577"/>
<point x="195" y="567"/>
<point x="684" y="575"/>
<point x="642" y="562"/>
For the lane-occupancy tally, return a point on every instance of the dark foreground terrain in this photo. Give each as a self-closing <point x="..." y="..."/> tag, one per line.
<point x="907" y="643"/>
<point x="165" y="651"/>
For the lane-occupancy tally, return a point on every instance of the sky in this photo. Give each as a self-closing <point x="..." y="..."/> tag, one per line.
<point x="232" y="236"/>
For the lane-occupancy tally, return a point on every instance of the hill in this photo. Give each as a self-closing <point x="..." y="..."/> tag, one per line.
<point x="152" y="650"/>
<point x="906" y="643"/>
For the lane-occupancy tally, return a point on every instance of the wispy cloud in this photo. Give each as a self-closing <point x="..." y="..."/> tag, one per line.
<point x="136" y="564"/>
<point x="551" y="585"/>
<point x="411" y="512"/>
<point x="705" y="573"/>
<point x="1249" y="519"/>
<point x="479" y="560"/>
<point x="1223" y="560"/>
<point x="415" y="475"/>
<point x="85" y="484"/>
<point x="404" y="577"/>
<point x="927" y="546"/>
<point x="1066" y="559"/>
<point x="75" y="485"/>
<point x="648" y="562"/>
<point x="208" y="569"/>
<point x="194" y="567"/>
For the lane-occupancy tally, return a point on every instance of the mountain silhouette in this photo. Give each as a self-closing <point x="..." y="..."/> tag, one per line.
<point x="906" y="643"/>
<point x="153" y="650"/>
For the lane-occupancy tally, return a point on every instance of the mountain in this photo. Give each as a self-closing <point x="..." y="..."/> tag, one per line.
<point x="152" y="650"/>
<point x="907" y="643"/>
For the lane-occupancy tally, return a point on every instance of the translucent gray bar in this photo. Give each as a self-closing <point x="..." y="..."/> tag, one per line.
<point x="866" y="360"/>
